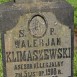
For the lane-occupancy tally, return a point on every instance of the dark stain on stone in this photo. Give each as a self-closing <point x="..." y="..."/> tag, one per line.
<point x="9" y="14"/>
<point x="9" y="20"/>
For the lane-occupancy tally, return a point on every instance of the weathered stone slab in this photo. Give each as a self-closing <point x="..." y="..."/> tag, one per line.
<point x="37" y="39"/>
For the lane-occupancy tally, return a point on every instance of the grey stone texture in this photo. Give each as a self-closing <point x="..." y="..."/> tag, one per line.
<point x="10" y="12"/>
<point x="41" y="24"/>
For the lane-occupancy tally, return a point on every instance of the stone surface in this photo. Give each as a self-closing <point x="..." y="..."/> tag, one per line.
<point x="34" y="1"/>
<point x="37" y="39"/>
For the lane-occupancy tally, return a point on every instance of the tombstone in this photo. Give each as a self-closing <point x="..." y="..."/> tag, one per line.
<point x="37" y="38"/>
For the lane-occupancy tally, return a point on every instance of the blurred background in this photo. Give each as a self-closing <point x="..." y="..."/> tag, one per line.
<point x="74" y="4"/>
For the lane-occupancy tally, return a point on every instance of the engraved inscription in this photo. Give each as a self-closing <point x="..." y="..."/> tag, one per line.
<point x="37" y="47"/>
